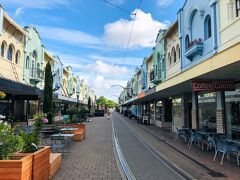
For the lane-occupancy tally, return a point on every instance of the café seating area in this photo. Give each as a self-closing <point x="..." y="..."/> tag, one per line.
<point x="208" y="139"/>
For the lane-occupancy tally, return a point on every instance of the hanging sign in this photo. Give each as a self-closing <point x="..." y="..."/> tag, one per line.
<point x="213" y="85"/>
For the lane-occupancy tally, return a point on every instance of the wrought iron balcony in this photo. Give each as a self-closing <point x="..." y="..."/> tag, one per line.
<point x="36" y="75"/>
<point x="195" y="48"/>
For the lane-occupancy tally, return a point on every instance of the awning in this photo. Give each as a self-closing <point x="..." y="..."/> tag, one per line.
<point x="19" y="89"/>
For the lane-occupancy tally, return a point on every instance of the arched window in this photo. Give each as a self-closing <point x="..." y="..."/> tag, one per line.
<point x="187" y="42"/>
<point x="34" y="55"/>
<point x="10" y="52"/>
<point x="173" y="54"/>
<point x="27" y="63"/>
<point x="178" y="52"/>
<point x="169" y="59"/>
<point x="237" y="8"/>
<point x="17" y="57"/>
<point x="3" y="46"/>
<point x="207" y="27"/>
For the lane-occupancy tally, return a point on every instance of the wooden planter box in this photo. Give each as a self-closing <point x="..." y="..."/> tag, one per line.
<point x="80" y="126"/>
<point x="20" y="169"/>
<point x="41" y="163"/>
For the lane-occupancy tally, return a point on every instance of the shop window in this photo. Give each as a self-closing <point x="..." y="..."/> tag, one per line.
<point x="232" y="108"/>
<point x="187" y="42"/>
<point x="207" y="27"/>
<point x="207" y="111"/>
<point x="237" y="8"/>
<point x="173" y="54"/>
<point x="10" y="52"/>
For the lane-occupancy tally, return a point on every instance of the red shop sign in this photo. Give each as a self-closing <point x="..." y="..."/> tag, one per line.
<point x="213" y="85"/>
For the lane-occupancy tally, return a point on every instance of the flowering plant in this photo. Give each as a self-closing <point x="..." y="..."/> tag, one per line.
<point x="39" y="121"/>
<point x="2" y="95"/>
<point x="194" y="42"/>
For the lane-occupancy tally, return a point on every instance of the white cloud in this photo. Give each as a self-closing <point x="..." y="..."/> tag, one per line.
<point x="37" y="4"/>
<point x="18" y="12"/>
<point x="144" y="32"/>
<point x="164" y="3"/>
<point x="117" y="60"/>
<point x="70" y="36"/>
<point x="102" y="86"/>
<point x="102" y="68"/>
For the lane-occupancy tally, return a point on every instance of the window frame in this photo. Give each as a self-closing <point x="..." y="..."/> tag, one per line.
<point x="237" y="8"/>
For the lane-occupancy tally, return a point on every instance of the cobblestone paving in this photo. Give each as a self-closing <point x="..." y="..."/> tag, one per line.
<point x="143" y="163"/>
<point x="92" y="158"/>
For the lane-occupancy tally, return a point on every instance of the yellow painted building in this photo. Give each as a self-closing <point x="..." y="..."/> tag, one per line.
<point x="229" y="20"/>
<point x="12" y="44"/>
<point x="173" y="62"/>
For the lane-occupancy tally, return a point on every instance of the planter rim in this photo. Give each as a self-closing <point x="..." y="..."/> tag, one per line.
<point x="22" y="155"/>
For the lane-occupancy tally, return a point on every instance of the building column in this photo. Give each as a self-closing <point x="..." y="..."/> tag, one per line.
<point x="220" y="112"/>
<point x="194" y="110"/>
<point x="184" y="100"/>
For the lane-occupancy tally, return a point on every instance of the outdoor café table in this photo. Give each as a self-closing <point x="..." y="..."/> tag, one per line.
<point x="67" y="138"/>
<point x="234" y="141"/>
<point x="71" y="129"/>
<point x="62" y="135"/>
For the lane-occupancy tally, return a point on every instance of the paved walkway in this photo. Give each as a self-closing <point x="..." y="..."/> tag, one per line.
<point x="143" y="163"/>
<point x="196" y="162"/>
<point x="92" y="158"/>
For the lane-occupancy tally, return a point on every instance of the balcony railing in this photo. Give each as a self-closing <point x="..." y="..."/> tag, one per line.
<point x="36" y="75"/>
<point x="195" y="48"/>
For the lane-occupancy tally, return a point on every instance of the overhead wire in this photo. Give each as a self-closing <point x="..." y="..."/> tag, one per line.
<point x="130" y="36"/>
<point x="116" y="6"/>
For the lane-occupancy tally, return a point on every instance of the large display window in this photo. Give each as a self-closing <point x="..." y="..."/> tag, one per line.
<point x="232" y="109"/>
<point x="177" y="113"/>
<point x="158" y="111"/>
<point x="207" y="111"/>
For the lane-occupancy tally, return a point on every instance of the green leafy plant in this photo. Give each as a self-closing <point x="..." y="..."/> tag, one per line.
<point x="71" y="112"/>
<point x="31" y="139"/>
<point x="9" y="142"/>
<point x="82" y="115"/>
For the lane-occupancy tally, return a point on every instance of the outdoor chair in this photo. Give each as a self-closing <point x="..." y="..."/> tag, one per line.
<point x="194" y="138"/>
<point x="203" y="139"/>
<point x="181" y="133"/>
<point x="58" y="144"/>
<point x="226" y="148"/>
<point x="211" y="143"/>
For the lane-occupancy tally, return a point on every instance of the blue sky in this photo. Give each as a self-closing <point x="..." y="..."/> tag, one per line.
<point x="91" y="35"/>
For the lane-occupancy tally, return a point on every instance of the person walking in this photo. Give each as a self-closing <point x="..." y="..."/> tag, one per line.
<point x="108" y="114"/>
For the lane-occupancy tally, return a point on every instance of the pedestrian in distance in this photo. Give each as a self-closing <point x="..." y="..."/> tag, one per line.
<point x="108" y="114"/>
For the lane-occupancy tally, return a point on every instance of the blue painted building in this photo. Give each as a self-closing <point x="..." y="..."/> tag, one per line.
<point x="198" y="31"/>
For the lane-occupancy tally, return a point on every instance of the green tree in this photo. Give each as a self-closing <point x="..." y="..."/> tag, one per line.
<point x="101" y="101"/>
<point x="48" y="93"/>
<point x="89" y="104"/>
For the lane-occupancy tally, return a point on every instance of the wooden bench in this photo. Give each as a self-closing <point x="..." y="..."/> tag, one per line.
<point x="55" y="163"/>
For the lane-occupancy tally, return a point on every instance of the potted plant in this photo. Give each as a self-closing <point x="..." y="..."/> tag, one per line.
<point x="41" y="155"/>
<point x="13" y="166"/>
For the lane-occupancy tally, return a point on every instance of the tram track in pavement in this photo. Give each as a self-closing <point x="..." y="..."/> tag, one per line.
<point x="144" y="161"/>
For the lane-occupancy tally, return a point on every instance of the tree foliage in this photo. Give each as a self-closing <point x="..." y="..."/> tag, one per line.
<point x="48" y="92"/>
<point x="102" y="101"/>
<point x="89" y="104"/>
